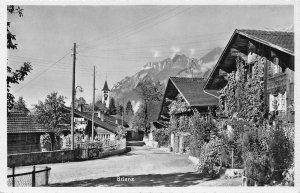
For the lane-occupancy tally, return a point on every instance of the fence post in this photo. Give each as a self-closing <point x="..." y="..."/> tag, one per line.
<point x="33" y="177"/>
<point x="46" y="175"/>
<point x="13" y="173"/>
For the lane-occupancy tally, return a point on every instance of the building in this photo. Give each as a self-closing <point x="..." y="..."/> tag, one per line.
<point x="105" y="126"/>
<point x="105" y="95"/>
<point x="272" y="49"/>
<point x="191" y="89"/>
<point x="23" y="133"/>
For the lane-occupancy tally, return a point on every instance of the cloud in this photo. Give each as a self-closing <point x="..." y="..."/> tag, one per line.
<point x="192" y="52"/>
<point x="156" y="53"/>
<point x="175" y="51"/>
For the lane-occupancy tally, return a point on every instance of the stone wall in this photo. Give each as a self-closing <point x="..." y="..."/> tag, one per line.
<point x="25" y="159"/>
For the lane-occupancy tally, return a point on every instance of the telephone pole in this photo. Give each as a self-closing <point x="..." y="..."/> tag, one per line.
<point x="93" y="106"/>
<point x="73" y="95"/>
<point x="123" y="114"/>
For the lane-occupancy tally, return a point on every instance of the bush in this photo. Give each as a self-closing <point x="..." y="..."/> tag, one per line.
<point x="162" y="136"/>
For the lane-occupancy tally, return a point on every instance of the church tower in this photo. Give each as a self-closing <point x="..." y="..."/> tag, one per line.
<point x="105" y="94"/>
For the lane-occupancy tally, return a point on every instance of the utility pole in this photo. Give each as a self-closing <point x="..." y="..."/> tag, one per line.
<point x="93" y="115"/>
<point x="73" y="95"/>
<point x="123" y="114"/>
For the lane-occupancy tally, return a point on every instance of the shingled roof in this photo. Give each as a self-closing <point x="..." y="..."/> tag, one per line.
<point x="281" y="41"/>
<point x="19" y="122"/>
<point x="192" y="91"/>
<point x="104" y="124"/>
<point x="276" y="39"/>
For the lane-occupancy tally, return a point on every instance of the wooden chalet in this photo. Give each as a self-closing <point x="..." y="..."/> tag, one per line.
<point x="191" y="89"/>
<point x="272" y="49"/>
<point x="23" y="133"/>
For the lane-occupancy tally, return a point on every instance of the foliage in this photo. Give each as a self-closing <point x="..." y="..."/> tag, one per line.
<point x="264" y="148"/>
<point x="179" y="106"/>
<point x="199" y="130"/>
<point x="242" y="96"/>
<point x="14" y="77"/>
<point x="51" y="113"/>
<point x="140" y="119"/>
<point x="129" y="110"/>
<point x="112" y="110"/>
<point x="120" y="109"/>
<point x="20" y="105"/>
<point x="161" y="136"/>
<point x="150" y="91"/>
<point x="45" y="141"/>
<point x="121" y="133"/>
<point x="80" y="101"/>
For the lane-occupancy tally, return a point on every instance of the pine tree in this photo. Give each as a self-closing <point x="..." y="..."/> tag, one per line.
<point x="129" y="109"/>
<point x="112" y="107"/>
<point x="20" y="105"/>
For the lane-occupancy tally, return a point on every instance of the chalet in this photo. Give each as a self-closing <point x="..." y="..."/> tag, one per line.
<point x="23" y="133"/>
<point x="105" y="126"/>
<point x="191" y="89"/>
<point x="272" y="49"/>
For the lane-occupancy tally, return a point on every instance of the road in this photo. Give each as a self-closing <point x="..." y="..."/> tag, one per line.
<point x="143" y="166"/>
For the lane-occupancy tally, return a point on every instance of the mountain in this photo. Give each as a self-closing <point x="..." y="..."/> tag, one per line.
<point x="179" y="65"/>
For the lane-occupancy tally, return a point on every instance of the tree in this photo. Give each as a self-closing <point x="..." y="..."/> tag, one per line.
<point x="120" y="110"/>
<point x="129" y="110"/>
<point x="80" y="101"/>
<point x="51" y="113"/>
<point x="20" y="105"/>
<point x="139" y="121"/>
<point x="112" y="107"/>
<point x="14" y="77"/>
<point x="149" y="91"/>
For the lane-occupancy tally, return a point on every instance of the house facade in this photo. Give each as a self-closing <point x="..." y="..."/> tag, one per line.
<point x="105" y="125"/>
<point x="274" y="50"/>
<point x="23" y="133"/>
<point x="191" y="90"/>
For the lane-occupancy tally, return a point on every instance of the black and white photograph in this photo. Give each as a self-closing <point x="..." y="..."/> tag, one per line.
<point x="179" y="94"/>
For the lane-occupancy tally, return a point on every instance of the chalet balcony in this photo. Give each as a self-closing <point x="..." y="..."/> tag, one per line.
<point x="277" y="83"/>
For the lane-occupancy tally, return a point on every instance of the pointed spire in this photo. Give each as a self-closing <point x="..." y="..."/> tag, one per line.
<point x="105" y="88"/>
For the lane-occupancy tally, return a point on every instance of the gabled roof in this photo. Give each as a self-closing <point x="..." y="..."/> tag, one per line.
<point x="105" y="88"/>
<point x="192" y="91"/>
<point x="281" y="41"/>
<point x="104" y="124"/>
<point x="20" y="122"/>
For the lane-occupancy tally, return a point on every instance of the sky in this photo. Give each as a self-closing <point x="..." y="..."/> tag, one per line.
<point x="120" y="40"/>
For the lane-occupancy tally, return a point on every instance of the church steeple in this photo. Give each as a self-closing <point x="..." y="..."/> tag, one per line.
<point x="105" y="88"/>
<point x="105" y="94"/>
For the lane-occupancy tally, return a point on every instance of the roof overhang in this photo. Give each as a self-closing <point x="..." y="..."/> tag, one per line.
<point x="226" y="63"/>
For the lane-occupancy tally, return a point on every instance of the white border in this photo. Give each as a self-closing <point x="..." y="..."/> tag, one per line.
<point x="3" y="54"/>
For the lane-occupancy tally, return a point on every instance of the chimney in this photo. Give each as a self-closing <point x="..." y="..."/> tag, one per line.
<point x="99" y="114"/>
<point x="116" y="121"/>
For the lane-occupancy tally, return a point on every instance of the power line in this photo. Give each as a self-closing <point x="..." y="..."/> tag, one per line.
<point x="25" y="84"/>
<point x="133" y="26"/>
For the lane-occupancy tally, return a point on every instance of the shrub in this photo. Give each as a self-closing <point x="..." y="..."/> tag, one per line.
<point x="161" y="136"/>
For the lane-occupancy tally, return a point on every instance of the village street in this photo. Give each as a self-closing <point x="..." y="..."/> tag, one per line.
<point x="148" y="167"/>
